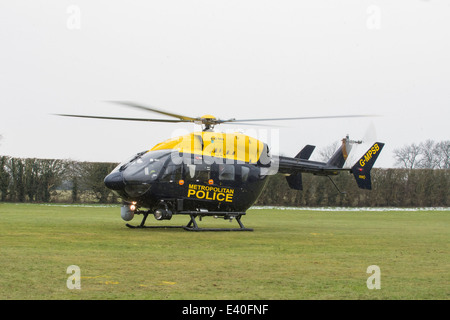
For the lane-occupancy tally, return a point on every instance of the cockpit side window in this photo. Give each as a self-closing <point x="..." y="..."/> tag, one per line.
<point x="145" y="168"/>
<point x="125" y="163"/>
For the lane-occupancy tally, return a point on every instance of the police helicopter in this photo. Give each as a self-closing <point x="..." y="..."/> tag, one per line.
<point x="215" y="174"/>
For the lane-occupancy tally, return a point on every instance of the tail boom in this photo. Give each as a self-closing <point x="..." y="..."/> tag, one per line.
<point x="294" y="167"/>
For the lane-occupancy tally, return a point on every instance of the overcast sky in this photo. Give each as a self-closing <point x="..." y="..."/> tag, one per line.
<point x="233" y="59"/>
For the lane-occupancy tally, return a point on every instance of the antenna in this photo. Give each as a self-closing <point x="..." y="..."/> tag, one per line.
<point x="341" y="192"/>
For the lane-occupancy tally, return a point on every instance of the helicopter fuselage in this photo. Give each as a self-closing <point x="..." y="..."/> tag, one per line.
<point x="155" y="177"/>
<point x="199" y="174"/>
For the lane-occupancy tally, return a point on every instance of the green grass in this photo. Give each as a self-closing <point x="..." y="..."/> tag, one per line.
<point x="290" y="255"/>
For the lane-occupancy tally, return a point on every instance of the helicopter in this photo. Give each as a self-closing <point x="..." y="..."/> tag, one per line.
<point x="215" y="174"/>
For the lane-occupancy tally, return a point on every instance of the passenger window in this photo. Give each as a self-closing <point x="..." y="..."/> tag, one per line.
<point x="199" y="172"/>
<point x="172" y="172"/>
<point x="191" y="170"/>
<point x="245" y="171"/>
<point x="226" y="172"/>
<point x="202" y="172"/>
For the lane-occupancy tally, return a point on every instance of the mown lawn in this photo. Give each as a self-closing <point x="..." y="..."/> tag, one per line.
<point x="292" y="254"/>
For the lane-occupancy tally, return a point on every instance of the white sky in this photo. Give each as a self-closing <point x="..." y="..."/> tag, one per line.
<point x="233" y="59"/>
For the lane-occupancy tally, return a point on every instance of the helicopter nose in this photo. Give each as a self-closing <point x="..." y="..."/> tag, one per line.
<point x="114" y="181"/>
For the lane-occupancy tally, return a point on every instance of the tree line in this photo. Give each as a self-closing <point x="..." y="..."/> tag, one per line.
<point x="54" y="180"/>
<point x="422" y="178"/>
<point x="425" y="155"/>
<point x="396" y="187"/>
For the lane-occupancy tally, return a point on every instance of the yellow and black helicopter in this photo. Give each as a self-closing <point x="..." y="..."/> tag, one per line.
<point x="216" y="174"/>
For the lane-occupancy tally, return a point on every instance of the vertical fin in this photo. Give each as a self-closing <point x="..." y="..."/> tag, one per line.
<point x="306" y="152"/>
<point x="339" y="157"/>
<point x="295" y="181"/>
<point x="361" y="169"/>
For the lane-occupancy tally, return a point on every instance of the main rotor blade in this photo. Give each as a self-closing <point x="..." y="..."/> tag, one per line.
<point x="247" y="124"/>
<point x="120" y="118"/>
<point x="299" y="118"/>
<point x="153" y="109"/>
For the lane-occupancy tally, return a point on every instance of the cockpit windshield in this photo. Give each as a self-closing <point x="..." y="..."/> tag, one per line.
<point x="144" y="167"/>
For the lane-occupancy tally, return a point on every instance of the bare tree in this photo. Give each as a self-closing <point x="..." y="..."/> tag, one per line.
<point x="407" y="156"/>
<point x="327" y="152"/>
<point x="442" y="150"/>
<point x="428" y="155"/>
<point x="425" y="155"/>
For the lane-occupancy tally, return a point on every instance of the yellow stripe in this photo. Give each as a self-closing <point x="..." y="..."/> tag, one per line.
<point x="234" y="146"/>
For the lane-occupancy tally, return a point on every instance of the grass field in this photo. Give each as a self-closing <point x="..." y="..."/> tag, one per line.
<point x="292" y="254"/>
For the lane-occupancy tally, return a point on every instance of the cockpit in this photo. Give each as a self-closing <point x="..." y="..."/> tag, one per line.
<point x="134" y="176"/>
<point x="144" y="167"/>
